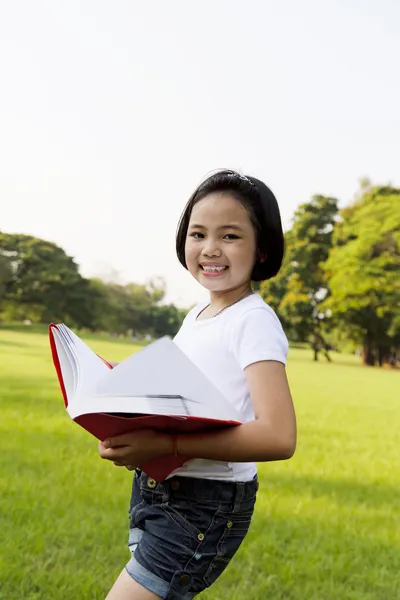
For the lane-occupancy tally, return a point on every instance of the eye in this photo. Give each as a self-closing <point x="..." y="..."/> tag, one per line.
<point x="232" y="236"/>
<point x="197" y="235"/>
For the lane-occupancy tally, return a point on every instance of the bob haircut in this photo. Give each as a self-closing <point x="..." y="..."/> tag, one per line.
<point x="264" y="213"/>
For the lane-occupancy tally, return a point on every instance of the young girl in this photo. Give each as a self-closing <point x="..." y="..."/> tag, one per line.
<point x="185" y="531"/>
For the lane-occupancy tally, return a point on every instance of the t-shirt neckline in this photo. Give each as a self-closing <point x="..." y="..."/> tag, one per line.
<point x="219" y="317"/>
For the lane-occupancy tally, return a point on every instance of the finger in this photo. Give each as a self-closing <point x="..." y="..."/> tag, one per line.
<point x="102" y="450"/>
<point x="115" y="453"/>
<point x="125" y="439"/>
<point x="117" y="441"/>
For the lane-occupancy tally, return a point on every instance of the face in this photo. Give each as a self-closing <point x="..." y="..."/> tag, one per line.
<point x="220" y="247"/>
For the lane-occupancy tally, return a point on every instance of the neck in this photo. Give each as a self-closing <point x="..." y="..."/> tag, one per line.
<point x="219" y="300"/>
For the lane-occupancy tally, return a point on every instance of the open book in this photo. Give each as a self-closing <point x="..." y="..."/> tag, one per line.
<point x="158" y="388"/>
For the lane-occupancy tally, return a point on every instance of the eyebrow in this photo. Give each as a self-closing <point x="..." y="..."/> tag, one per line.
<point x="236" y="227"/>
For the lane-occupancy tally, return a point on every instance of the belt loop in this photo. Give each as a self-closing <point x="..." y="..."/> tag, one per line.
<point x="166" y="488"/>
<point x="239" y="492"/>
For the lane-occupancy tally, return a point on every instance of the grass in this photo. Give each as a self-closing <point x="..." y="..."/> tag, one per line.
<point x="326" y="524"/>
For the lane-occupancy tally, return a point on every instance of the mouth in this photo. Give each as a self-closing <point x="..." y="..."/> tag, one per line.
<point x="213" y="270"/>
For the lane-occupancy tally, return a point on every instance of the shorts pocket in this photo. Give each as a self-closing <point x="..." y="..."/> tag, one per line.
<point x="136" y="514"/>
<point x="191" y="518"/>
<point x="139" y="508"/>
<point x="233" y="535"/>
<point x="180" y="521"/>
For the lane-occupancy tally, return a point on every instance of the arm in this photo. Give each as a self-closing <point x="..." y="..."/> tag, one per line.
<point x="272" y="436"/>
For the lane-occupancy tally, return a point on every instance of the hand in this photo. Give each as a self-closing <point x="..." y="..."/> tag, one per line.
<point x="133" y="449"/>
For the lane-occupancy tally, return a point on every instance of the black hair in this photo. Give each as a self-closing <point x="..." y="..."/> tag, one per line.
<point x="264" y="213"/>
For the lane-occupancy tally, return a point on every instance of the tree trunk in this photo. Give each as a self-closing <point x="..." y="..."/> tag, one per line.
<point x="383" y="355"/>
<point x="319" y="345"/>
<point x="315" y="346"/>
<point x="368" y="354"/>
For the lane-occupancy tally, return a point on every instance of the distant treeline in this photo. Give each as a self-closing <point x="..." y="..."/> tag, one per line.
<point x="339" y="284"/>
<point x="41" y="284"/>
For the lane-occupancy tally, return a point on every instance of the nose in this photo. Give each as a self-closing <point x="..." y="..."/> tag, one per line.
<point x="211" y="250"/>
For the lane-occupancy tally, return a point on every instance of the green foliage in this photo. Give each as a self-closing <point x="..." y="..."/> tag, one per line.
<point x="326" y="522"/>
<point x="135" y="309"/>
<point x="40" y="283"/>
<point x="299" y="288"/>
<point x="166" y="319"/>
<point x="363" y="271"/>
<point x="339" y="281"/>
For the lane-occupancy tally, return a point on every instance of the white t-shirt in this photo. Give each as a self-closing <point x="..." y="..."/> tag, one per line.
<point x="222" y="347"/>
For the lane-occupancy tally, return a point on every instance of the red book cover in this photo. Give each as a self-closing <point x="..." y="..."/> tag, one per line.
<point x="104" y="425"/>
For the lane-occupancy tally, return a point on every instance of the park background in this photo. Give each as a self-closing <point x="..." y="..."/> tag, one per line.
<point x="111" y="115"/>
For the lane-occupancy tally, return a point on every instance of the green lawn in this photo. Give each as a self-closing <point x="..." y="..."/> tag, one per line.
<point x="327" y="523"/>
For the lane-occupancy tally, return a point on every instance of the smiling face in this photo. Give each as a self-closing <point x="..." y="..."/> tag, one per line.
<point x="220" y="248"/>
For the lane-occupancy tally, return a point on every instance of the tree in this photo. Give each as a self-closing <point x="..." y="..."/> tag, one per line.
<point x="166" y="319"/>
<point x="129" y="308"/>
<point x="40" y="282"/>
<point x="5" y="273"/>
<point x="299" y="289"/>
<point x="363" y="272"/>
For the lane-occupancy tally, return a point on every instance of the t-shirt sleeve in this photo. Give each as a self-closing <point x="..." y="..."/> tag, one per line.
<point x="259" y="336"/>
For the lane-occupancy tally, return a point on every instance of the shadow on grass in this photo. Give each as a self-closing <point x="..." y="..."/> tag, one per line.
<point x="340" y="361"/>
<point x="44" y="380"/>
<point x="12" y="344"/>
<point x="21" y="327"/>
<point x="336" y="361"/>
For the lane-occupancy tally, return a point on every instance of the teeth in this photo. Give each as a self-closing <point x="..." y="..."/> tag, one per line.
<point x="213" y="269"/>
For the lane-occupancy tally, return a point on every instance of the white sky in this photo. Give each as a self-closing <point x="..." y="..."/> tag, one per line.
<point x="112" y="112"/>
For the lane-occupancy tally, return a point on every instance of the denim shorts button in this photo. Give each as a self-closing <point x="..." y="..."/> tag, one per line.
<point x="151" y="483"/>
<point x="175" y="485"/>
<point x="184" y="579"/>
<point x="200" y="537"/>
<point x="229" y="524"/>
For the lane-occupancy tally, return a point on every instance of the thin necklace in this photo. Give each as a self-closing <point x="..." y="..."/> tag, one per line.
<point x="248" y="293"/>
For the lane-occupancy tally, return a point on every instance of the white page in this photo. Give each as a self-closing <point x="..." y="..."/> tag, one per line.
<point x="67" y="364"/>
<point x="90" y="368"/>
<point x="175" y="406"/>
<point x="159" y="369"/>
<point x="65" y="339"/>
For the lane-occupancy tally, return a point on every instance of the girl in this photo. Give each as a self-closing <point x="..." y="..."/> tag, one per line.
<point x="184" y="532"/>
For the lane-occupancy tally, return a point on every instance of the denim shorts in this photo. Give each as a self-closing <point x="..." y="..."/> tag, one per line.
<point x="184" y="532"/>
